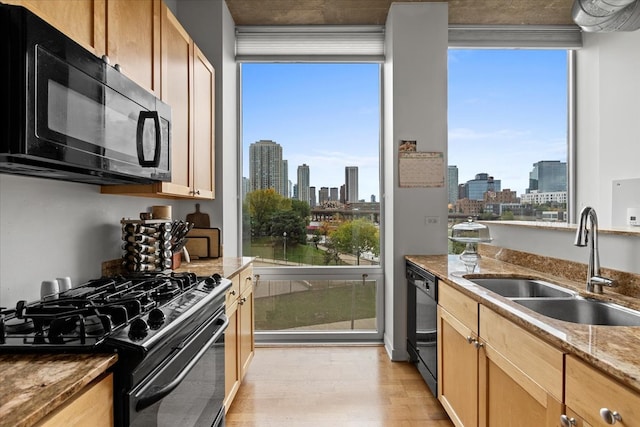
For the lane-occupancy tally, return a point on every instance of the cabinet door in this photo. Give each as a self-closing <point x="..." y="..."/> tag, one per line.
<point x="520" y="375"/>
<point x="203" y="126"/>
<point x="510" y="398"/>
<point x="83" y="21"/>
<point x="133" y="40"/>
<point x="177" y="61"/>
<point x="588" y="391"/>
<point x="231" y="368"/>
<point x="93" y="406"/>
<point x="245" y="308"/>
<point x="457" y="370"/>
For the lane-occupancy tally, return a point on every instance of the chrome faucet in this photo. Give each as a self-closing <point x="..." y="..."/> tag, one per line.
<point x="594" y="280"/>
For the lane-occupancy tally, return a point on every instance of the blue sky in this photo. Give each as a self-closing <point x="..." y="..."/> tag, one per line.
<point x="507" y="110"/>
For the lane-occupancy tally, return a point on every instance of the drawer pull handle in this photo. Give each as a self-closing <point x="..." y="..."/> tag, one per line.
<point x="566" y="421"/>
<point x="610" y="417"/>
<point x="232" y="292"/>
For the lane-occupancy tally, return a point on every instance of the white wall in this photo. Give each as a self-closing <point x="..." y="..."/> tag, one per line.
<point x="415" y="108"/>
<point x="51" y="229"/>
<point x="608" y="116"/>
<point x="617" y="251"/>
<point x="210" y="25"/>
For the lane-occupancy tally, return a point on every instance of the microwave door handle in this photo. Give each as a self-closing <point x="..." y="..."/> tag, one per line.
<point x="160" y="392"/>
<point x="142" y="118"/>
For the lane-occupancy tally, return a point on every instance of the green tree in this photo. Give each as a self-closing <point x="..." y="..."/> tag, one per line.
<point x="262" y="205"/>
<point x="302" y="209"/>
<point x="291" y="223"/>
<point x="356" y="237"/>
<point x="507" y="216"/>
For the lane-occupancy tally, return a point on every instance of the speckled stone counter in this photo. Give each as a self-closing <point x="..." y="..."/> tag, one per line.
<point x="225" y="266"/>
<point x="613" y="349"/>
<point x="34" y="385"/>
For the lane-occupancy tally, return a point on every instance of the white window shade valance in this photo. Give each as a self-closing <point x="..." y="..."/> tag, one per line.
<point x="366" y="43"/>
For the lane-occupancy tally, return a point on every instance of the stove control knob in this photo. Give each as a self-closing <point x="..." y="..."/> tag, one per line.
<point x="212" y="281"/>
<point x="156" y="318"/>
<point x="138" y="329"/>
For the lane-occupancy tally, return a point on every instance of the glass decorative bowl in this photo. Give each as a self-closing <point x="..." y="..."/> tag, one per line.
<point x="471" y="233"/>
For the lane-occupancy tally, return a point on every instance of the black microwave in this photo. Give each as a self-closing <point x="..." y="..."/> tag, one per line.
<point x="67" y="114"/>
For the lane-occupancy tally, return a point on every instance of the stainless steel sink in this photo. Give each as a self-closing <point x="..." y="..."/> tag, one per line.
<point x="584" y="311"/>
<point x="522" y="288"/>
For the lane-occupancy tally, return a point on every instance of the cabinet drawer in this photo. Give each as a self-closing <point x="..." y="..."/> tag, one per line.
<point x="459" y="305"/>
<point x="588" y="390"/>
<point x="538" y="360"/>
<point x="233" y="292"/>
<point x="246" y="279"/>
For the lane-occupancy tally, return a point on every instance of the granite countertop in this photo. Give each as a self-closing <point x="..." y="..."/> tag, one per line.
<point x="34" y="385"/>
<point x="225" y="266"/>
<point x="613" y="349"/>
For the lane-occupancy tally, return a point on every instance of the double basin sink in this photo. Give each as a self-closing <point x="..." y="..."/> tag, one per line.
<point x="559" y="303"/>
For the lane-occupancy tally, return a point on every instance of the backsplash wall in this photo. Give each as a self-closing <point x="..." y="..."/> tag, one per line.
<point x="51" y="228"/>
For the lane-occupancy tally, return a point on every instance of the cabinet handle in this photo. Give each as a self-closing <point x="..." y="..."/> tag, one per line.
<point x="470" y="340"/>
<point x="610" y="417"/>
<point x="232" y="292"/>
<point x="242" y="300"/>
<point x="477" y="344"/>
<point x="566" y="421"/>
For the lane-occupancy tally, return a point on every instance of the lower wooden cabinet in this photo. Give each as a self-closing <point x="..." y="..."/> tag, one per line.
<point x="457" y="358"/>
<point x="92" y="406"/>
<point x="590" y="394"/>
<point x="492" y="373"/>
<point x="239" y="338"/>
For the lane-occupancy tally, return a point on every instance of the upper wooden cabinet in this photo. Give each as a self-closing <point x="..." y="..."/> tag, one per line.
<point x="83" y="21"/>
<point x="133" y="40"/>
<point x="187" y="82"/>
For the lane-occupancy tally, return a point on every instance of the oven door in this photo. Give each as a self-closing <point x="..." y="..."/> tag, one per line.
<point x="188" y="389"/>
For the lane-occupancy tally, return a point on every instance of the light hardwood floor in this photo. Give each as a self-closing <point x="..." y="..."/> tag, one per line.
<point x="333" y="386"/>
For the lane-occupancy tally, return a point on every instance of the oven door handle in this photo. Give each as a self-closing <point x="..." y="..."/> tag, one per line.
<point x="145" y="401"/>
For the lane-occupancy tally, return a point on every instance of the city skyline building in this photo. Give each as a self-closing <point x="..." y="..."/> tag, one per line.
<point x="303" y="183"/>
<point x="265" y="166"/>
<point x="333" y="194"/>
<point x="285" y="179"/>
<point x="323" y="195"/>
<point x="548" y="176"/>
<point x="474" y="189"/>
<point x="312" y="195"/>
<point x="452" y="176"/>
<point x="351" y="183"/>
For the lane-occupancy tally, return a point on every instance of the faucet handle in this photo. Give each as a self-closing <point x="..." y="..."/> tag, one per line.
<point x="595" y="283"/>
<point x="604" y="281"/>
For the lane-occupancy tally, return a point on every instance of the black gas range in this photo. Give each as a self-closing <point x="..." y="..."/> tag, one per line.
<point x="167" y="328"/>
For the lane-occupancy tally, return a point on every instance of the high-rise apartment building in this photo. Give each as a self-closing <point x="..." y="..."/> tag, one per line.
<point x="548" y="176"/>
<point x="286" y="189"/>
<point x="265" y="166"/>
<point x="333" y="194"/>
<point x="312" y="197"/>
<point x="351" y="184"/>
<point x="475" y="188"/>
<point x="303" y="183"/>
<point x="452" y="177"/>
<point x="323" y="195"/>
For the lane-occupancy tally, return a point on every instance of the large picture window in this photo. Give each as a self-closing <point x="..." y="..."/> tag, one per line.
<point x="311" y="193"/>
<point x="508" y="138"/>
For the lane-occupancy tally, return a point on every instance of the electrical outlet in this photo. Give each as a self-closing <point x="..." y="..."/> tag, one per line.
<point x="431" y="220"/>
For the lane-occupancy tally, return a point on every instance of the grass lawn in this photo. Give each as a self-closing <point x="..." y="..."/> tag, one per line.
<point x="300" y="254"/>
<point x="314" y="307"/>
